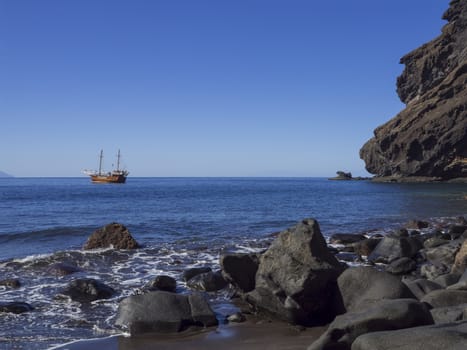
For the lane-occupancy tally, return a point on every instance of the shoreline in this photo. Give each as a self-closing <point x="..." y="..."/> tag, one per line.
<point x="254" y="333"/>
<point x="417" y="179"/>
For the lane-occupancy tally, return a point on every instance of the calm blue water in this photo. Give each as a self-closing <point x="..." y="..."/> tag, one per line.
<point x="43" y="215"/>
<point x="181" y="222"/>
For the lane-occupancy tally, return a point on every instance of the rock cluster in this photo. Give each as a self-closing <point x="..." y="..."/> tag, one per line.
<point x="428" y="139"/>
<point x="161" y="310"/>
<point x="446" y="336"/>
<point x="419" y="287"/>
<point x="415" y="285"/>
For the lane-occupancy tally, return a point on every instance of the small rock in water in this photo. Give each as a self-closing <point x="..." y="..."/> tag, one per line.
<point x="162" y="282"/>
<point x="62" y="269"/>
<point x="15" y="307"/>
<point x="417" y="224"/>
<point x="112" y="235"/>
<point x="10" y="283"/>
<point x="87" y="290"/>
<point x="345" y="238"/>
<point x="192" y="272"/>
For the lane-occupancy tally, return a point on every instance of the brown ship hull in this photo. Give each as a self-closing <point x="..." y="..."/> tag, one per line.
<point x="114" y="179"/>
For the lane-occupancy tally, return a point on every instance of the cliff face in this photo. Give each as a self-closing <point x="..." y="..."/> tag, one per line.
<point x="429" y="137"/>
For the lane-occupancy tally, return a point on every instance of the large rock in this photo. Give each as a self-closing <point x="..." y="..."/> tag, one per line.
<point x="439" y="259"/>
<point x="401" y="266"/>
<point x="434" y="242"/>
<point x="429" y="137"/>
<point x="432" y="271"/>
<point x="113" y="235"/>
<point x="444" y="254"/>
<point x="240" y="270"/>
<point x="361" y="286"/>
<point x="164" y="312"/>
<point x="381" y="316"/>
<point x="457" y="230"/>
<point x="447" y="280"/>
<point x="296" y="277"/>
<point x="86" y="290"/>
<point x="393" y="247"/>
<point x="460" y="262"/>
<point x="461" y="283"/>
<point x="449" y="314"/>
<point x="207" y="282"/>
<point x="421" y="287"/>
<point x="445" y="297"/>
<point x="450" y="336"/>
<point x="366" y="247"/>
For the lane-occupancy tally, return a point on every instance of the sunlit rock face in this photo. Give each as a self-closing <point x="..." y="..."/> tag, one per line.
<point x="429" y="137"/>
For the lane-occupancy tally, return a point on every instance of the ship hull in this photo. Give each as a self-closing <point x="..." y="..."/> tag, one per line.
<point x="115" y="179"/>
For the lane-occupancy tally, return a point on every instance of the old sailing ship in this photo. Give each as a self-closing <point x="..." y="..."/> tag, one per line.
<point x="115" y="176"/>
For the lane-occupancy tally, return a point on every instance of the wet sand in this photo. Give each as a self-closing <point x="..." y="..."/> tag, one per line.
<point x="249" y="335"/>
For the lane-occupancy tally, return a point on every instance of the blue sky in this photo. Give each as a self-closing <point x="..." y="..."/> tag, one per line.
<point x="201" y="87"/>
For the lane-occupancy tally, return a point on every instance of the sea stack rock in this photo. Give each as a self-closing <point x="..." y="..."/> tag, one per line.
<point x="428" y="138"/>
<point x="113" y="235"/>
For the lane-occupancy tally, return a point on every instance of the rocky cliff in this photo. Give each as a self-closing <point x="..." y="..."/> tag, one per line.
<point x="429" y="137"/>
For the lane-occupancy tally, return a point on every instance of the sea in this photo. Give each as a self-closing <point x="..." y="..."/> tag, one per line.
<point x="180" y="223"/>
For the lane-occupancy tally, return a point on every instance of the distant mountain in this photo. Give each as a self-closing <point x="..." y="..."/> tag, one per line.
<point x="3" y="174"/>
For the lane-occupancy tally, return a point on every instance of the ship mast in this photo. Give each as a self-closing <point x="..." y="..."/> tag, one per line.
<point x="100" y="161"/>
<point x="118" y="160"/>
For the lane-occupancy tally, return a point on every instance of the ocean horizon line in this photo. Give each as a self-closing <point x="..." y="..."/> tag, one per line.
<point x="176" y="177"/>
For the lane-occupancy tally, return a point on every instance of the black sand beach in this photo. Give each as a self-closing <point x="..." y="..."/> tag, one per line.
<point x="250" y="335"/>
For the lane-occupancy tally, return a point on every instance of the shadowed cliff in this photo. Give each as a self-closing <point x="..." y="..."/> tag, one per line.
<point x="429" y="137"/>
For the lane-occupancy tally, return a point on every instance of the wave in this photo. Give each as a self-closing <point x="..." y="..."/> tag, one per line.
<point x="50" y="233"/>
